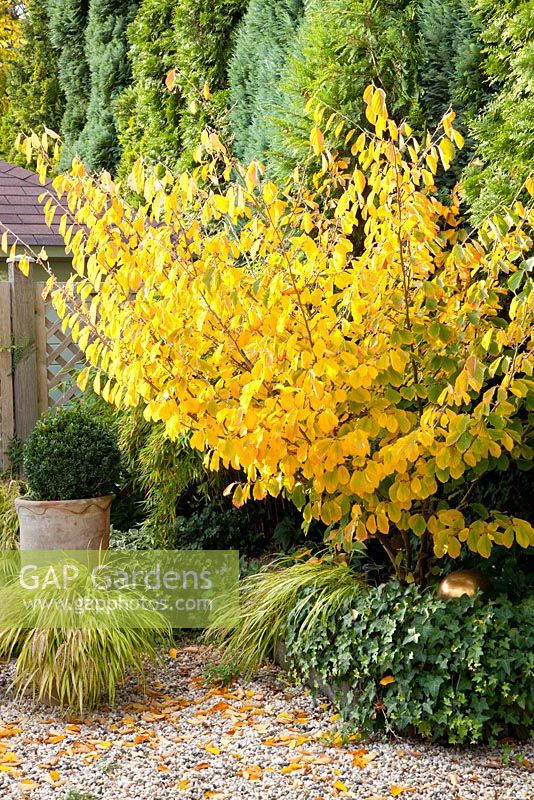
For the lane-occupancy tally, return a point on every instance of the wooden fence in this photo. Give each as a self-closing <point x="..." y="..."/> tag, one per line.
<point x="37" y="360"/>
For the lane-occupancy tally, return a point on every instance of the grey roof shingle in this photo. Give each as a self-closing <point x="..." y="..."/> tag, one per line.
<point x="20" y="209"/>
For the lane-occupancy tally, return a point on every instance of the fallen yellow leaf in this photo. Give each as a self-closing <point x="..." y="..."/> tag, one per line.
<point x="397" y="790"/>
<point x="53" y="776"/>
<point x="387" y="680"/>
<point x="210" y="748"/>
<point x="183" y="785"/>
<point x="173" y="653"/>
<point x="27" y="785"/>
<point x="252" y="773"/>
<point x="5" y="733"/>
<point x="284" y="716"/>
<point x="293" y="767"/>
<point x="340" y="786"/>
<point x="10" y="758"/>
<point x="11" y="770"/>
<point x="53" y="739"/>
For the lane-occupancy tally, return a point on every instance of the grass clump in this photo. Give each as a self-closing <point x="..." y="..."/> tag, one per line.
<point x="268" y="598"/>
<point x="9" y="524"/>
<point x="68" y="650"/>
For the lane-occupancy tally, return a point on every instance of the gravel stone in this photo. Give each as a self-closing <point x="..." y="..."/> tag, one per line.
<point x="175" y="737"/>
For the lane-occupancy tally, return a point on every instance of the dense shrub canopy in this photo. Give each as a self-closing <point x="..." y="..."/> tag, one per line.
<point x="68" y="20"/>
<point x="70" y="456"/>
<point x="504" y="133"/>
<point x="450" y="72"/>
<point x="194" y="38"/>
<point x="148" y="115"/>
<point x="400" y="660"/>
<point x="341" y="46"/>
<point x="34" y="64"/>
<point x="10" y="37"/>
<point x="106" y="53"/>
<point x="263" y="41"/>
<point x="372" y="387"/>
<point x="204" y="30"/>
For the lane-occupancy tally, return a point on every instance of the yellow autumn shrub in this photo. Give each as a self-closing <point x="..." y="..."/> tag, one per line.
<point x="341" y="339"/>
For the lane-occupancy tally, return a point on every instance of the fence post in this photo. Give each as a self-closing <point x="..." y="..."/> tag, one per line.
<point x="40" y="342"/>
<point x="24" y="351"/>
<point x="7" y="421"/>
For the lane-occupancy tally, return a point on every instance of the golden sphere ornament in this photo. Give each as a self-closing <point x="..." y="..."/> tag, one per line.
<point x="463" y="581"/>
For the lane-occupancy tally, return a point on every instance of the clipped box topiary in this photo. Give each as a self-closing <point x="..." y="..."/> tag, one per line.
<point x="72" y="466"/>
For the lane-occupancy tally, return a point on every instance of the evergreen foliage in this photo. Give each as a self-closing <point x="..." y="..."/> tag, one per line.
<point x="450" y="73"/>
<point x="204" y="31"/>
<point x="459" y="670"/>
<point x="106" y="52"/>
<point x="342" y="46"/>
<point x="263" y="41"/>
<point x="450" y="68"/>
<point x="193" y="37"/>
<point x="10" y="36"/>
<point x="147" y="114"/>
<point x="35" y="66"/>
<point x="505" y="131"/>
<point x="68" y="20"/>
<point x="70" y="456"/>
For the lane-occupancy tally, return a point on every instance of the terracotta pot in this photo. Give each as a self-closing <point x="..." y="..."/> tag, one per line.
<point x="64" y="524"/>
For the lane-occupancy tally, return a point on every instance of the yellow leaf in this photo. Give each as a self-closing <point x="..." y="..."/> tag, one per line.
<point x="359" y="181"/>
<point x="327" y="421"/>
<point x="398" y="360"/>
<point x="446" y="151"/>
<point x="307" y="223"/>
<point x="252" y="176"/>
<point x="432" y="161"/>
<point x="170" y="80"/>
<point x="252" y="773"/>
<point x="378" y="102"/>
<point x="317" y="140"/>
<point x="173" y="653"/>
<point x="206" y="92"/>
<point x="385" y="681"/>
<point x="340" y="786"/>
<point x="24" y="265"/>
<point x="484" y="546"/>
<point x="397" y="790"/>
<point x="270" y="193"/>
<point x="183" y="785"/>
<point x="210" y="748"/>
<point x="6" y="733"/>
<point x="54" y="739"/>
<point x="368" y="93"/>
<point x="27" y="785"/>
<point x="458" y="139"/>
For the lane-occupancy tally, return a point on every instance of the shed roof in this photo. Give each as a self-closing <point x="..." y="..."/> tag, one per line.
<point x="20" y="209"/>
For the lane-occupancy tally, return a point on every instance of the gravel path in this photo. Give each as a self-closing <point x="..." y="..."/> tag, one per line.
<point x="257" y="739"/>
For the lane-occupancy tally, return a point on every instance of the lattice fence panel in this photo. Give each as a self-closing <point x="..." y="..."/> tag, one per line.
<point x="58" y="358"/>
<point x="63" y="360"/>
<point x="38" y="361"/>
